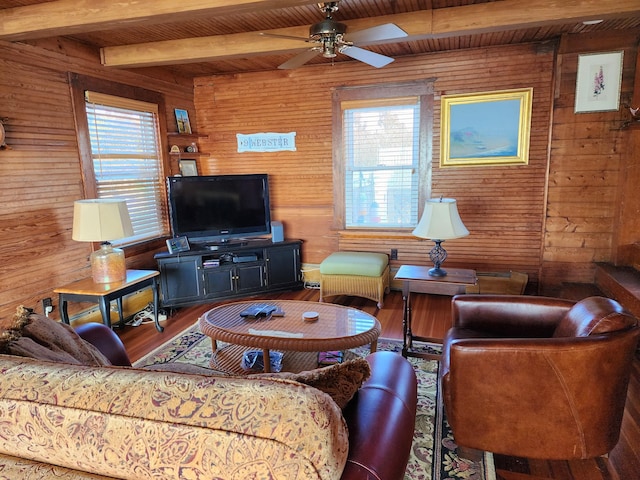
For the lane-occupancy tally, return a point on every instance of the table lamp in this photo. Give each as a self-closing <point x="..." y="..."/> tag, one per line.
<point x="103" y="220"/>
<point x="440" y="221"/>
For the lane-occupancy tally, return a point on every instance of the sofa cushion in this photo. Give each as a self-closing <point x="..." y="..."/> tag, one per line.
<point x="593" y="316"/>
<point x="129" y="423"/>
<point x="341" y="381"/>
<point x="32" y="335"/>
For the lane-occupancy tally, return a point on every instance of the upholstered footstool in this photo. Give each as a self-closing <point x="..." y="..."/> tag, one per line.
<point x="358" y="274"/>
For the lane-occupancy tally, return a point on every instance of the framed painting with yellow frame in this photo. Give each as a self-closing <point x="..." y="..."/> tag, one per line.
<point x="489" y="128"/>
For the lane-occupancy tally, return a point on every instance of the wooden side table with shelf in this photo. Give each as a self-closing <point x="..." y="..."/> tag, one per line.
<point x="86" y="290"/>
<point x="417" y="279"/>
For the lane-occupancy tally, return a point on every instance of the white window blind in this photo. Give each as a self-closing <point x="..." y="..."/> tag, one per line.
<point x="381" y="158"/>
<point x="126" y="160"/>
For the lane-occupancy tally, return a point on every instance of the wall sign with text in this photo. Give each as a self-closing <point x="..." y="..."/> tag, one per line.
<point x="266" y="142"/>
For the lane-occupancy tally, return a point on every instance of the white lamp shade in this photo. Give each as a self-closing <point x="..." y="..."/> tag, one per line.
<point x="440" y="220"/>
<point x="101" y="220"/>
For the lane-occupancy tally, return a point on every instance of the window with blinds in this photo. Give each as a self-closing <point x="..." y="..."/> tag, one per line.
<point x="381" y="142"/>
<point x="126" y="160"/>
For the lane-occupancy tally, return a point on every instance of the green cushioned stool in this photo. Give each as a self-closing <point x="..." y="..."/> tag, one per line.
<point x="358" y="274"/>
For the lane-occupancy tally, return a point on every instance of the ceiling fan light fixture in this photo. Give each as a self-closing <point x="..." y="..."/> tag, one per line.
<point x="329" y="39"/>
<point x="327" y="27"/>
<point x="329" y="50"/>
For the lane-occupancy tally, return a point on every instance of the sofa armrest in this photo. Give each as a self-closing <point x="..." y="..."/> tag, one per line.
<point x="381" y="420"/>
<point x="105" y="340"/>
<point x="509" y="315"/>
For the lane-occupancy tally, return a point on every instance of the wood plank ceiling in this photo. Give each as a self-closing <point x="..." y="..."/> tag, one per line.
<point x="197" y="38"/>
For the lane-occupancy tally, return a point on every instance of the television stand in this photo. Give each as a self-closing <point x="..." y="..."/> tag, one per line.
<point x="233" y="270"/>
<point x="224" y="245"/>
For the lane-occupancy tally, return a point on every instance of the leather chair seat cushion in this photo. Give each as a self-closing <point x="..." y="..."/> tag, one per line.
<point x="594" y="316"/>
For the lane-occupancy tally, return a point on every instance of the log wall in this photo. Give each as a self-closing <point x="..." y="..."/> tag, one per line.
<point x="40" y="171"/>
<point x="593" y="169"/>
<point x="551" y="218"/>
<point x="502" y="206"/>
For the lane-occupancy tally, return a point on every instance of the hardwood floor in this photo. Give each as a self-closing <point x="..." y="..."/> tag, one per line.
<point x="431" y="319"/>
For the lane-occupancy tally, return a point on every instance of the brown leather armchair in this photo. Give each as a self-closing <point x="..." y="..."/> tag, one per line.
<point x="537" y="377"/>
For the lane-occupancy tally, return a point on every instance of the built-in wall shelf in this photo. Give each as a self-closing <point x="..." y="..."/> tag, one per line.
<point x="188" y="154"/>
<point x="183" y="140"/>
<point x="176" y="134"/>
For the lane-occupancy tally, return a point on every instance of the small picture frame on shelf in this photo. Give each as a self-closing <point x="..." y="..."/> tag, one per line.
<point x="188" y="168"/>
<point x="178" y="244"/>
<point x="182" y="120"/>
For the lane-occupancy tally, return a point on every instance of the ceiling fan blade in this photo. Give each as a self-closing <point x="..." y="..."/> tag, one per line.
<point x="288" y="37"/>
<point x="386" y="31"/>
<point x="366" y="56"/>
<point x="299" y="59"/>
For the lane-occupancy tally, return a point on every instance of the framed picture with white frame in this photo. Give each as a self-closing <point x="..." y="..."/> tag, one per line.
<point x="598" y="82"/>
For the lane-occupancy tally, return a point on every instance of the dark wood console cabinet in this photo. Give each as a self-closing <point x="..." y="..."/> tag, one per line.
<point x="202" y="275"/>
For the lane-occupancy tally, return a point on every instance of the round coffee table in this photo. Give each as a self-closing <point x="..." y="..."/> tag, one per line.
<point x="337" y="328"/>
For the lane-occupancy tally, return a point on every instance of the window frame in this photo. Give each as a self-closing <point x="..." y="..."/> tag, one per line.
<point x="79" y="84"/>
<point x="423" y="89"/>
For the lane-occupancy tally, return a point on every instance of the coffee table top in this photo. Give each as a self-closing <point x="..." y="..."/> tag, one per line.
<point x="337" y="327"/>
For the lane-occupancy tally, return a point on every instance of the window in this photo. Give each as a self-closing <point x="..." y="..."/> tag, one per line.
<point x="383" y="156"/>
<point x="126" y="160"/>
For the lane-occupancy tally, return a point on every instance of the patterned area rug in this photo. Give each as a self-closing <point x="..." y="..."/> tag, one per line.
<point x="434" y="452"/>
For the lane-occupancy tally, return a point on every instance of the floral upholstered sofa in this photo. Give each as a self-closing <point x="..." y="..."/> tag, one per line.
<point x="70" y="418"/>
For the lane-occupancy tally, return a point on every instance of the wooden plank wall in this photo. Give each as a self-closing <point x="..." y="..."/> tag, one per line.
<point x="590" y="169"/>
<point x="41" y="170"/>
<point x="502" y="206"/>
<point x="505" y="208"/>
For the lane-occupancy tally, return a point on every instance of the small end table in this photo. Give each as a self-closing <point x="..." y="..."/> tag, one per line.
<point x="86" y="290"/>
<point x="417" y="279"/>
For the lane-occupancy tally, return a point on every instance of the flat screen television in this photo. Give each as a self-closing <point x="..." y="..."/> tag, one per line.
<point x="214" y="210"/>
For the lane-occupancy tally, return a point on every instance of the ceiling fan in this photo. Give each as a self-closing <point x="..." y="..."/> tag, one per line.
<point x="329" y="39"/>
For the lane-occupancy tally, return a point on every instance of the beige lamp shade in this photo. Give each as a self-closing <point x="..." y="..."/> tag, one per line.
<point x="440" y="220"/>
<point x="101" y="220"/>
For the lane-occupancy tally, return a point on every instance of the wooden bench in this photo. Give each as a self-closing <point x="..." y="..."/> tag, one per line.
<point x="358" y="274"/>
<point x="621" y="283"/>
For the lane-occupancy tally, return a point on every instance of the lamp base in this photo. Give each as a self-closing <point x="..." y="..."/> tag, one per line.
<point x="437" y="272"/>
<point x="437" y="256"/>
<point x="108" y="264"/>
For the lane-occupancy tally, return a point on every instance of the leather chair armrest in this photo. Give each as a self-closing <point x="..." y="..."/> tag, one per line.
<point x="105" y="340"/>
<point x="381" y="420"/>
<point x="509" y="315"/>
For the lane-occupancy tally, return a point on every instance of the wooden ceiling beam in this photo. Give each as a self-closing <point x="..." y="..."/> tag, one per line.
<point x="454" y="21"/>
<point x="518" y="14"/>
<point x="249" y="44"/>
<point x="68" y="17"/>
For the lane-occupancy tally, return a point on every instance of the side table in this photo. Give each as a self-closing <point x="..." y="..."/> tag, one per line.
<point x="417" y="279"/>
<point x="86" y="290"/>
